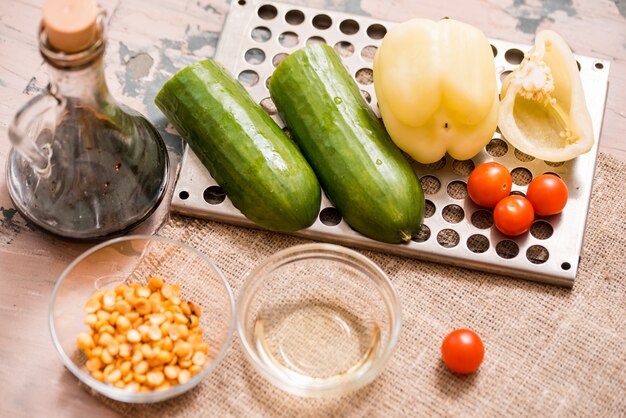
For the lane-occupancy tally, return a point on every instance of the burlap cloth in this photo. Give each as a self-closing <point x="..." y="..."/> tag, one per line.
<point x="550" y="351"/>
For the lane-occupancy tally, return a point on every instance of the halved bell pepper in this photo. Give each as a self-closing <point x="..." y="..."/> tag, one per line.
<point x="436" y="88"/>
<point x="543" y="111"/>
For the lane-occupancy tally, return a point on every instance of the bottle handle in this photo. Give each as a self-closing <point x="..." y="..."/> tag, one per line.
<point x="33" y="128"/>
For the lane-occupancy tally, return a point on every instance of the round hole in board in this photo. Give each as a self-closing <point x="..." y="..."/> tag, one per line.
<point x="261" y="34"/>
<point x="376" y="31"/>
<point x="254" y="56"/>
<point x="517" y="193"/>
<point x="429" y="208"/>
<point x="248" y="78"/>
<point x="552" y="173"/>
<point x="541" y="230"/>
<point x="344" y="49"/>
<point x="241" y="2"/>
<point x="523" y="157"/>
<point x="453" y="214"/>
<point x="462" y="167"/>
<point x="478" y="243"/>
<point x="430" y="184"/>
<point x="278" y="58"/>
<point x="554" y="163"/>
<point x="214" y="195"/>
<point x="349" y="27"/>
<point x="504" y="75"/>
<point x="537" y="254"/>
<point x="514" y="56"/>
<point x="330" y="216"/>
<point x="507" y="249"/>
<point x="566" y="266"/>
<point x="598" y="65"/>
<point x="322" y="21"/>
<point x="268" y="105"/>
<point x="497" y="147"/>
<point x="368" y="52"/>
<point x="494" y="50"/>
<point x="578" y="65"/>
<point x="315" y="40"/>
<point x="365" y="76"/>
<point x="422" y="235"/>
<point x="184" y="195"/>
<point x="366" y="96"/>
<point x="294" y="17"/>
<point x="521" y="176"/>
<point x="437" y="165"/>
<point x="267" y="12"/>
<point x="482" y="219"/>
<point x="267" y="82"/>
<point x="448" y="238"/>
<point x="288" y="39"/>
<point x="457" y="189"/>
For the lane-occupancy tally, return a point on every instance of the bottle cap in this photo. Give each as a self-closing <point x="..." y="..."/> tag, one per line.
<point x="70" y="24"/>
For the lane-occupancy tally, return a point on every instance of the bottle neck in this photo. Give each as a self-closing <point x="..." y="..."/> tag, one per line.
<point x="86" y="84"/>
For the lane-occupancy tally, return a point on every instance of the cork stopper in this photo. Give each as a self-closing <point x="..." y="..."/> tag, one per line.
<point x="70" y="24"/>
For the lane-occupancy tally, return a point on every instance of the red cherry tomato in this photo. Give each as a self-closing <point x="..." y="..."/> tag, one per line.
<point x="548" y="194"/>
<point x="513" y="215"/>
<point x="488" y="184"/>
<point x="462" y="351"/>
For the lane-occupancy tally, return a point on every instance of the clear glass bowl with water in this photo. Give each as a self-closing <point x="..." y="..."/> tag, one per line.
<point x="318" y="320"/>
<point x="136" y="259"/>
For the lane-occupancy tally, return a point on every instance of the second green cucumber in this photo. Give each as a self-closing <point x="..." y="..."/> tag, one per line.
<point x="364" y="174"/>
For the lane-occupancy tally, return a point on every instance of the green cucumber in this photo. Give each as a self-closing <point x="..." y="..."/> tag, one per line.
<point x="364" y="174"/>
<point x="246" y="152"/>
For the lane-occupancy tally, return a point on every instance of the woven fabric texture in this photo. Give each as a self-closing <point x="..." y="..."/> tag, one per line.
<point x="550" y="351"/>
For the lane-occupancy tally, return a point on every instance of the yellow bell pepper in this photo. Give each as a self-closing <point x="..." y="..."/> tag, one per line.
<point x="543" y="111"/>
<point x="436" y="88"/>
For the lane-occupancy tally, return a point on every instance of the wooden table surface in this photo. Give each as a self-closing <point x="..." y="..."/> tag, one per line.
<point x="148" y="40"/>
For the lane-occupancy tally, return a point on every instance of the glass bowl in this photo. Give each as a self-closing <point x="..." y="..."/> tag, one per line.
<point x="318" y="320"/>
<point x="136" y="259"/>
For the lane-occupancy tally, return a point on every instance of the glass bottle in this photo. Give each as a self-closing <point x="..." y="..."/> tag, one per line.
<point x="83" y="166"/>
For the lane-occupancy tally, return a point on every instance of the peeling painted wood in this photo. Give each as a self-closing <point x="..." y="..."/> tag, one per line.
<point x="150" y="41"/>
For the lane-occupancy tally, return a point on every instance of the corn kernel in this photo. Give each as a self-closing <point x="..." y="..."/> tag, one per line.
<point x="107" y="328"/>
<point x="113" y="347"/>
<point x="141" y="367"/>
<point x="113" y="317"/>
<point x="165" y="356"/>
<point x="114" y="376"/>
<point x="171" y="372"/>
<point x="146" y="350"/>
<point x="163" y="386"/>
<point x="106" y="357"/>
<point x="143" y="292"/>
<point x="143" y="307"/>
<point x="155" y="283"/>
<point x="108" y="300"/>
<point x="84" y="341"/>
<point x="93" y="364"/>
<point x="168" y="345"/>
<point x="92" y="306"/>
<point x="98" y="375"/>
<point x="185" y="364"/>
<point x="193" y="321"/>
<point x="137" y="356"/>
<point x="128" y="378"/>
<point x="199" y="358"/>
<point x="195" y="369"/>
<point x="119" y="384"/>
<point x="133" y="336"/>
<point x="184" y="376"/>
<point x="91" y="319"/>
<point x="119" y="289"/>
<point x="157" y="318"/>
<point x="182" y="349"/>
<point x="140" y="378"/>
<point x="122" y="307"/>
<point x="132" y="316"/>
<point x="155" y="378"/>
<point x="132" y="387"/>
<point x="167" y="291"/>
<point x="122" y="324"/>
<point x="103" y="315"/>
<point x="202" y="348"/>
<point x="180" y="319"/>
<point x="96" y="352"/>
<point x="175" y="300"/>
<point x="184" y="306"/>
<point x="144" y="389"/>
<point x="125" y="367"/>
<point x="155" y="333"/>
